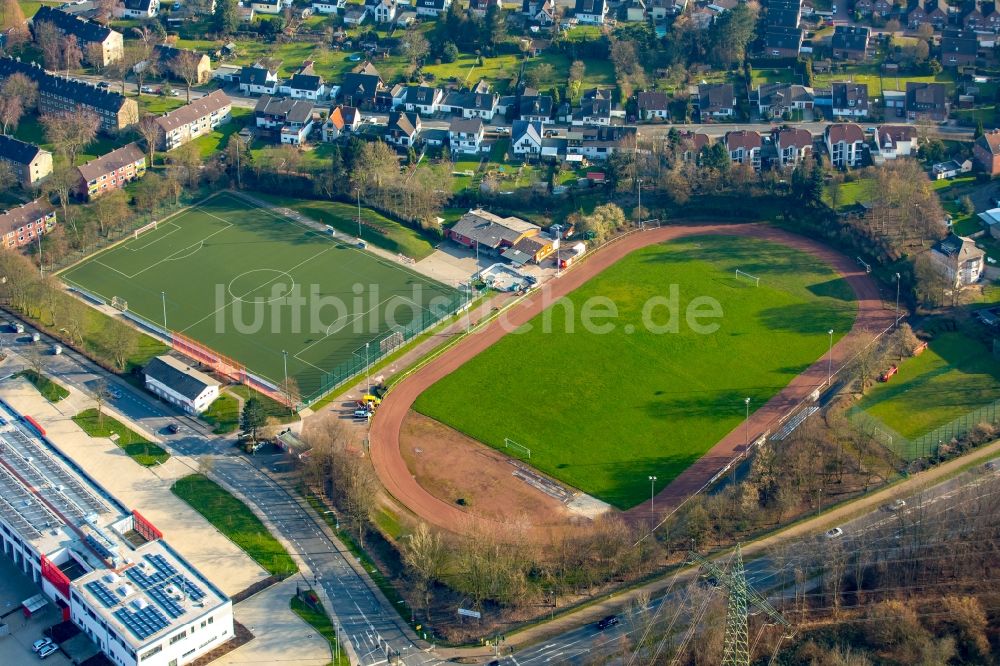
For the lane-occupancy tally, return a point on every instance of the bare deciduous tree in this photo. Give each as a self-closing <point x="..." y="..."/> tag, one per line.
<point x="70" y="131"/>
<point x="185" y="66"/>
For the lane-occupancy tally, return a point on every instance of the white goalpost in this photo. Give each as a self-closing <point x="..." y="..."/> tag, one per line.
<point x="747" y="276"/>
<point x="144" y="228"/>
<point x="511" y="444"/>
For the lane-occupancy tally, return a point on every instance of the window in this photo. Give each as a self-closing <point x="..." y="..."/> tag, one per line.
<point x="178" y="637"/>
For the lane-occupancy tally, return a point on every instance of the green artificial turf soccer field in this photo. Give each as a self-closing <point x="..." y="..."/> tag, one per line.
<point x="603" y="412"/>
<point x="226" y="265"/>
<point x="954" y="376"/>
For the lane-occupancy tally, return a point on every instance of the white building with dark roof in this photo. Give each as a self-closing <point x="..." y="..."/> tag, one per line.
<point x="180" y="384"/>
<point x="29" y="163"/>
<point x="193" y="120"/>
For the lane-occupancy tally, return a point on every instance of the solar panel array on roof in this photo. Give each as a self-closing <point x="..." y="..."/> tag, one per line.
<point x="143" y="623"/>
<point x="99" y="547"/>
<point x="103" y="594"/>
<point x="164" y="566"/>
<point x="169" y="605"/>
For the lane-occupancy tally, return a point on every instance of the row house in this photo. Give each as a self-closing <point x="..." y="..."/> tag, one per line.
<point x="304" y="84"/>
<point x="845" y="142"/>
<point x="422" y="99"/>
<point x="341" y="121"/>
<point x="22" y="225"/>
<point x="599" y="143"/>
<point x="169" y="59"/>
<point x="465" y="135"/>
<point x="849" y="100"/>
<point x="793" y="145"/>
<point x="716" y="100"/>
<point x="959" y="48"/>
<point x="431" y="7"/>
<point x="290" y="120"/>
<point x="973" y="18"/>
<point x="777" y="99"/>
<point x="259" y="79"/>
<point x="139" y="9"/>
<point x="193" y="120"/>
<point x="882" y="8"/>
<point x="402" y="129"/>
<point x="112" y="171"/>
<point x="540" y="12"/>
<point x="361" y="89"/>
<point x="986" y="152"/>
<point x="100" y="45"/>
<point x="652" y="104"/>
<point x="472" y="104"/>
<point x="850" y="42"/>
<point x="892" y="141"/>
<point x="29" y="163"/>
<point x="744" y="147"/>
<point x="57" y="94"/>
<point x="926" y="101"/>
<point x="787" y="13"/>
<point x="928" y="12"/>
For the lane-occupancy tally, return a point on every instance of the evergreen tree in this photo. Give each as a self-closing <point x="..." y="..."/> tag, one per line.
<point x="252" y="419"/>
<point x="227" y="16"/>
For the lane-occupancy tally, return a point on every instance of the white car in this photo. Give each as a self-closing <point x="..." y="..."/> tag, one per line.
<point x="115" y="393"/>
<point x="834" y="533"/>
<point x="896" y="505"/>
<point x="40" y="643"/>
<point x="48" y="651"/>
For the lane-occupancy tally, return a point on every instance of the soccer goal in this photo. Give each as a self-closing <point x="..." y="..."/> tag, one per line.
<point x="748" y="277"/>
<point x="119" y="303"/>
<point x="144" y="228"/>
<point x="511" y="444"/>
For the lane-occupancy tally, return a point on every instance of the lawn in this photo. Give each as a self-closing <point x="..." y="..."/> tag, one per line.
<point x="252" y="284"/>
<point x="224" y="414"/>
<point x="236" y="521"/>
<point x="954" y="376"/>
<point x="775" y="75"/>
<point x="48" y="388"/>
<point x="135" y="445"/>
<point x="499" y="71"/>
<point x="317" y="618"/>
<point x="877" y="82"/>
<point x="393" y="236"/>
<point x="849" y="193"/>
<point x="602" y="410"/>
<point x="273" y="410"/>
<point x="31" y="131"/>
<point x="217" y="139"/>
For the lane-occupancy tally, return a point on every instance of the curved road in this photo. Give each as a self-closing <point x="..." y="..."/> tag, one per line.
<point x="386" y="426"/>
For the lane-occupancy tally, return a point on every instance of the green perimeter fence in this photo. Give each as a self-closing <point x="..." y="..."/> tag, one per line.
<point x="926" y="445"/>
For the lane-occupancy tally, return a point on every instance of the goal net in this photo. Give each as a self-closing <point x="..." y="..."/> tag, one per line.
<point x="144" y="228"/>
<point x="743" y="275"/>
<point x="511" y="444"/>
<point x="119" y="303"/>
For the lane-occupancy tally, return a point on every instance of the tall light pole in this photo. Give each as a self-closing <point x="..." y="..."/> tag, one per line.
<point x="896" y="323"/>
<point x="358" y="190"/>
<point x="829" y="362"/>
<point x="746" y="427"/>
<point x="284" y="356"/>
<point x="163" y="297"/>
<point x="652" y="495"/>
<point x="639" y="208"/>
<point x="368" y="377"/>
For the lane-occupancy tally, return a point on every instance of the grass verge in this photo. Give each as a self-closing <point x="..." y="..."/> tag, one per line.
<point x="320" y="621"/>
<point x="138" y="448"/>
<point x="236" y="521"/>
<point x="48" y="388"/>
<point x="223" y="414"/>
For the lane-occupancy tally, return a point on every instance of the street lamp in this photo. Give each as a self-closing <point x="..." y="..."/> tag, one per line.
<point x="368" y="378"/>
<point x="896" y="323"/>
<point x="746" y="426"/>
<point x="829" y="361"/>
<point x="163" y="297"/>
<point x="652" y="506"/>
<point x="284" y="356"/>
<point x="639" y="208"/>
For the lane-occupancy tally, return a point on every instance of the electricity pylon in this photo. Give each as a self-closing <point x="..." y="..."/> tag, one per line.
<point x="741" y="596"/>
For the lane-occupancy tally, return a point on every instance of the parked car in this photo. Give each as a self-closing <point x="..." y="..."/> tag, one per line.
<point x="834" y="533"/>
<point x="896" y="505"/>
<point x="48" y="651"/>
<point x="114" y="393"/>
<point x="40" y="643"/>
<point x="103" y="85"/>
<point x="56" y="350"/>
<point x="362" y="414"/>
<point x="609" y="621"/>
<point x="152" y="90"/>
<point x="19" y="328"/>
<point x="173" y="428"/>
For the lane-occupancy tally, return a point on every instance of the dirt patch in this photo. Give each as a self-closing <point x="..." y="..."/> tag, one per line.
<point x="457" y="469"/>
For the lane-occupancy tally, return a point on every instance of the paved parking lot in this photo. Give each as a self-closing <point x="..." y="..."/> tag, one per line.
<point x="15" y="648"/>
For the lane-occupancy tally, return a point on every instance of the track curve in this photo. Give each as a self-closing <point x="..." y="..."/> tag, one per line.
<point x="386" y="426"/>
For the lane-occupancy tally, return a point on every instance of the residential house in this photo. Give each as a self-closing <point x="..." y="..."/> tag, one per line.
<point x="384" y="11"/>
<point x="542" y="12"/>
<point x="926" y="101"/>
<point x="661" y="9"/>
<point x="849" y="100"/>
<point x="774" y="100"/>
<point x="431" y="7"/>
<point x="652" y="104"/>
<point x="692" y="145"/>
<point x="744" y="147"/>
<point x="472" y="104"/>
<point x="883" y="8"/>
<point x="29" y="163"/>
<point x="972" y="17"/>
<point x="271" y="7"/>
<point x="526" y="138"/>
<point x="845" y="143"/>
<point x="991" y="16"/>
<point x="489" y="233"/>
<point x="599" y="143"/>
<point x="422" y="99"/>
<point x="894" y="102"/>
<point x="850" y="42"/>
<point x="100" y="45"/>
<point x="782" y="41"/>
<point x="534" y="107"/>
<point x="355" y="14"/>
<point x="950" y="169"/>
<point x="986" y="152"/>
<point x="402" y="129"/>
<point x="57" y="94"/>
<point x="530" y="249"/>
<point x="328" y="6"/>
<point x="716" y="100"/>
<point x="792" y="145"/>
<point x="288" y="120"/>
<point x="342" y="120"/>
<point x="959" y="48"/>
<point x="465" y="135"/>
<point x="591" y="12"/>
<point x="633" y="10"/>
<point x="22" y="225"/>
<point x="786" y="13"/>
<point x="169" y="65"/>
<point x="892" y="141"/>
<point x="178" y="383"/>
<point x="111" y="171"/>
<point x="959" y="260"/>
<point x="304" y="84"/>
<point x="140" y="9"/>
<point x="479" y="8"/>
<point x="193" y="120"/>
<point x="258" y="79"/>
<point x="930" y="12"/>
<point x="595" y="108"/>
<point x="864" y="7"/>
<point x="360" y="89"/>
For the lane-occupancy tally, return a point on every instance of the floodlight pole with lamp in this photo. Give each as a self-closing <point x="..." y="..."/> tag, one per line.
<point x="829" y="362"/>
<point x="652" y="495"/>
<point x="746" y="427"/>
<point x="163" y="297"/>
<point x="896" y="323"/>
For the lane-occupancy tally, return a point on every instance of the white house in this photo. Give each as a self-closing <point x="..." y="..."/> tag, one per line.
<point x="465" y="135"/>
<point x="959" y="260"/>
<point x="304" y="84"/>
<point x="140" y="9"/>
<point x="431" y="7"/>
<point x="266" y="6"/>
<point x="845" y="142"/>
<point x="328" y="6"/>
<point x="384" y="11"/>
<point x="526" y="138"/>
<point x="422" y="99"/>
<point x="593" y="12"/>
<point x="258" y="80"/>
<point x="355" y="14"/>
<point x="176" y="382"/>
<point x="892" y="141"/>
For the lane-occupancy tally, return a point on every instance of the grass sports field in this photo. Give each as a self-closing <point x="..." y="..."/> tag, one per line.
<point x="602" y="412"/>
<point x="954" y="376"/>
<point x="250" y="284"/>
